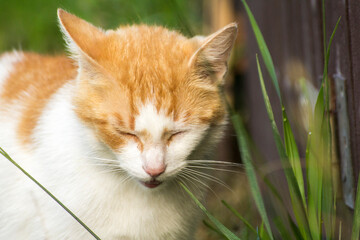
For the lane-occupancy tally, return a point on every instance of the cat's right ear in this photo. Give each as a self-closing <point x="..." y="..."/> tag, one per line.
<point x="211" y="58"/>
<point x="81" y="37"/>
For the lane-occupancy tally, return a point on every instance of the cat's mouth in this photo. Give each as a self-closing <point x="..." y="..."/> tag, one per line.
<point x="153" y="183"/>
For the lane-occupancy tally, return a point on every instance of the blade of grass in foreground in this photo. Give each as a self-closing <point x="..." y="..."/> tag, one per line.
<point x="224" y="230"/>
<point x="236" y="213"/>
<point x="295" y="194"/>
<point x="290" y="144"/>
<point x="281" y="228"/>
<point x="211" y="227"/>
<point x="2" y="152"/>
<point x="314" y="167"/>
<point x="249" y="168"/>
<point x="263" y="49"/>
<point x="356" y="221"/>
<point x="329" y="198"/>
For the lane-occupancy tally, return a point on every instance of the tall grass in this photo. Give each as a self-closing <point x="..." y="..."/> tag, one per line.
<point x="314" y="212"/>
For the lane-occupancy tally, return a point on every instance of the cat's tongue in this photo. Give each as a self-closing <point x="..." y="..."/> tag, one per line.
<point x="151" y="184"/>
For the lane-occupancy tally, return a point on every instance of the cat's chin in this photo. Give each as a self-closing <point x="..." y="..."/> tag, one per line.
<point x="151" y="184"/>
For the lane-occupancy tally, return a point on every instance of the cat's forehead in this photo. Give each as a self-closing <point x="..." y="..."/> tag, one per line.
<point x="147" y="49"/>
<point x="154" y="122"/>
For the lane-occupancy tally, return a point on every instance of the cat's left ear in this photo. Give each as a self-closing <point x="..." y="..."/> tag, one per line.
<point x="211" y="59"/>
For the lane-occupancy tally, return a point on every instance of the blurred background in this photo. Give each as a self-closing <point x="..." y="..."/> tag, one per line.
<point x="32" y="25"/>
<point x="293" y="32"/>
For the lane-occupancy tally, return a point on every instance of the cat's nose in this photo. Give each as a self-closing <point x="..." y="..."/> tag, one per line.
<point x="155" y="172"/>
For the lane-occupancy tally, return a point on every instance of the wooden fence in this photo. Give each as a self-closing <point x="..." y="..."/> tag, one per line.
<point x="293" y="30"/>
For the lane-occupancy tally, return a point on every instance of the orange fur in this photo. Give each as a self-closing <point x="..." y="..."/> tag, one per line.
<point x="33" y="81"/>
<point x="120" y="71"/>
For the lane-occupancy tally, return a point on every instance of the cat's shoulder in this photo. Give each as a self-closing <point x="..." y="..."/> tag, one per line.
<point x="27" y="82"/>
<point x="21" y="71"/>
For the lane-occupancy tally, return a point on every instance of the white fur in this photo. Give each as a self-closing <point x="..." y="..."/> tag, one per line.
<point x="67" y="157"/>
<point x="64" y="158"/>
<point x="156" y="151"/>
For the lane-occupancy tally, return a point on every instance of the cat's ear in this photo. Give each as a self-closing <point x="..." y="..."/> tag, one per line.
<point x="211" y="58"/>
<point x="81" y="37"/>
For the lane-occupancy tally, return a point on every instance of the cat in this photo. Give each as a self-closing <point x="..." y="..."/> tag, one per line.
<point x="111" y="131"/>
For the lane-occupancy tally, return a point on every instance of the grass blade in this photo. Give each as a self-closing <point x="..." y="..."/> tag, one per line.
<point x="295" y="194"/>
<point x="263" y="234"/>
<point x="314" y="166"/>
<point x="329" y="200"/>
<point x="224" y="230"/>
<point x="290" y="144"/>
<point x="2" y="152"/>
<point x="236" y="213"/>
<point x="282" y="229"/>
<point x="265" y="53"/>
<point x="356" y="221"/>
<point x="293" y="155"/>
<point x="214" y="229"/>
<point x="243" y="143"/>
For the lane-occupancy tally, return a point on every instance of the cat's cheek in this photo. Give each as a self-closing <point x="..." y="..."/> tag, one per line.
<point x="179" y="151"/>
<point x="129" y="157"/>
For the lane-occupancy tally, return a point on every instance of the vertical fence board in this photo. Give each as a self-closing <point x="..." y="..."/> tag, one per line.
<point x="293" y="32"/>
<point x="353" y="90"/>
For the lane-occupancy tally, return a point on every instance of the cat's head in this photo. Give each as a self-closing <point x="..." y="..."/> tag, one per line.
<point x="150" y="94"/>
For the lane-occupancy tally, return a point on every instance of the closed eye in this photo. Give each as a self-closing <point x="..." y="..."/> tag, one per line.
<point x="175" y="134"/>
<point x="128" y="134"/>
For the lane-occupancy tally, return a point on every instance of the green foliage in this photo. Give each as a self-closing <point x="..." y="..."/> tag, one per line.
<point x="32" y="25"/>
<point x="244" y="147"/>
<point x="314" y="215"/>
<point x="356" y="221"/>
<point x="220" y="227"/>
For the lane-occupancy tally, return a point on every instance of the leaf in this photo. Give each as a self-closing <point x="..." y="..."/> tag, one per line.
<point x="243" y="143"/>
<point x="356" y="221"/>
<point x="263" y="49"/>
<point x="236" y="213"/>
<point x="211" y="227"/>
<point x="224" y="230"/>
<point x="282" y="229"/>
<point x="295" y="194"/>
<point x="329" y="199"/>
<point x="290" y="144"/>
<point x="314" y="166"/>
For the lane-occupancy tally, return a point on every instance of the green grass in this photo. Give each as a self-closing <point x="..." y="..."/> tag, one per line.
<point x="314" y="213"/>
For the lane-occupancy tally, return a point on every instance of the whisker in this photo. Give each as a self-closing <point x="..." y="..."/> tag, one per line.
<point x="211" y="178"/>
<point x="183" y="175"/>
<point x="179" y="180"/>
<point x="112" y="170"/>
<point x="103" y="164"/>
<point x="126" y="179"/>
<point x="105" y="159"/>
<point x="201" y="182"/>
<point x="212" y="168"/>
<point x="200" y="188"/>
<point x="213" y="162"/>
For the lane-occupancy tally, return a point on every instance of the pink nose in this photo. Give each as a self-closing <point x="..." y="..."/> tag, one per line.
<point x="155" y="172"/>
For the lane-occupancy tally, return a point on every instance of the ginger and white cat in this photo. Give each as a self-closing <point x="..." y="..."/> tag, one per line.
<point x="110" y="131"/>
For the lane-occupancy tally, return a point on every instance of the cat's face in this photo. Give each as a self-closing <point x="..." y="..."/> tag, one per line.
<point x="150" y="94"/>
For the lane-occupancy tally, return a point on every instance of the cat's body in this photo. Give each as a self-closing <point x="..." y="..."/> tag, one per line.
<point x="109" y="133"/>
